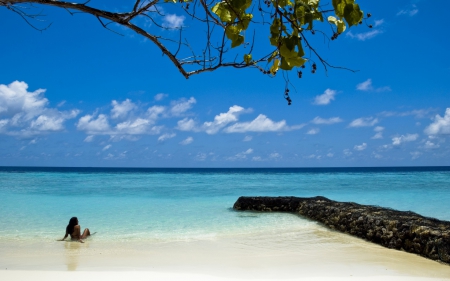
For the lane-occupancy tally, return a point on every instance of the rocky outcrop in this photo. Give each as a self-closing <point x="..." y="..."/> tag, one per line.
<point x="399" y="230"/>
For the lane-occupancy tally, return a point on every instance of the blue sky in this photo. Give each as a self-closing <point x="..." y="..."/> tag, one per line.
<point x="79" y="95"/>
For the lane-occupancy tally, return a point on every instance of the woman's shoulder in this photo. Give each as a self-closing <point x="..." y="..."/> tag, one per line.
<point x="77" y="226"/>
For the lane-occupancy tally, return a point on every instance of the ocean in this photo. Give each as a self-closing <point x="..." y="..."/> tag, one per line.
<point x="164" y="205"/>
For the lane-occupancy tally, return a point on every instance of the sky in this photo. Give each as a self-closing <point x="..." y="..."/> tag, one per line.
<point x="77" y="94"/>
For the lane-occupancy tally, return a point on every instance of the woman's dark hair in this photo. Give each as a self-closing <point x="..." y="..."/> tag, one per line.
<point x="69" y="229"/>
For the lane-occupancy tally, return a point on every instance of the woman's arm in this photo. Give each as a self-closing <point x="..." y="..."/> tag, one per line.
<point x="65" y="236"/>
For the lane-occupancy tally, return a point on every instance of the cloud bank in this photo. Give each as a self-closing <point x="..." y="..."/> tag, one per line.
<point x="27" y="114"/>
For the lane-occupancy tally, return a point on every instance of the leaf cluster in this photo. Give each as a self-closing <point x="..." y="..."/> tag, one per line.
<point x="290" y="20"/>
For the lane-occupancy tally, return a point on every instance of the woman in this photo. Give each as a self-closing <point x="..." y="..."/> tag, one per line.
<point x="73" y="229"/>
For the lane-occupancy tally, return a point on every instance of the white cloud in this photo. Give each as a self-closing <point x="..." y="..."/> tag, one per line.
<point x="418" y="113"/>
<point x="107" y="147"/>
<point x="440" y="125"/>
<point x="325" y="98"/>
<point x="15" y="99"/>
<point x="363" y="122"/>
<point x="187" y="141"/>
<point x="160" y="96"/>
<point x="241" y="155"/>
<point x="154" y="112"/>
<point x="415" y="154"/>
<point x="201" y="156"/>
<point x="378" y="23"/>
<point x="89" y="138"/>
<point x="329" y="121"/>
<point x="173" y="21"/>
<point x="313" y="131"/>
<point x="379" y="132"/>
<point x="259" y="124"/>
<point x="257" y="158"/>
<point x="330" y="154"/>
<point x="377" y="136"/>
<point x="367" y="86"/>
<point x="186" y="124"/>
<point x="249" y="151"/>
<point x="94" y="125"/>
<point x="365" y="35"/>
<point x="139" y="123"/>
<point x="181" y="106"/>
<point x="347" y="152"/>
<point x="138" y="126"/>
<point x="223" y="119"/>
<point x="27" y="113"/>
<point x="275" y="155"/>
<point x="247" y="138"/>
<point x="121" y="110"/>
<point x="47" y="123"/>
<point x="166" y="137"/>
<point x="404" y="138"/>
<point x="412" y="11"/>
<point x="360" y="147"/>
<point x="376" y="155"/>
<point x="431" y="145"/>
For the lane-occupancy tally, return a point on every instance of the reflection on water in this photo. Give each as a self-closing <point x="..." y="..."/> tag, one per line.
<point x="73" y="250"/>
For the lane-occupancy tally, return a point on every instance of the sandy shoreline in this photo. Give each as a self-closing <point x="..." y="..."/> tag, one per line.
<point x="309" y="254"/>
<point x="143" y="275"/>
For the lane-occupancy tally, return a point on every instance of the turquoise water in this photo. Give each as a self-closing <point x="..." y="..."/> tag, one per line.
<point x="189" y="204"/>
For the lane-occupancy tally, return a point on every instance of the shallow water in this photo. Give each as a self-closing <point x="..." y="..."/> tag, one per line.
<point x="164" y="205"/>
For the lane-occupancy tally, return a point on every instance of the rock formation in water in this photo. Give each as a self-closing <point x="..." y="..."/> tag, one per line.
<point x="408" y="231"/>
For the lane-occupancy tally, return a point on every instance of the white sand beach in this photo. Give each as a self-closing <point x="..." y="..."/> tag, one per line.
<point x="313" y="254"/>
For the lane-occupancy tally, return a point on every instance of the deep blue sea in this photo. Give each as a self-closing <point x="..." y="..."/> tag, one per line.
<point x="185" y="204"/>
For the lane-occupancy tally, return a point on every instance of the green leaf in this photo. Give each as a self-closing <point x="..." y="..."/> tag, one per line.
<point x="274" y="41"/>
<point x="300" y="14"/>
<point x="341" y="26"/>
<point x="245" y="21"/>
<point x="283" y="3"/>
<point x="284" y="65"/>
<point x="339" y="6"/>
<point x="248" y="58"/>
<point x="332" y="20"/>
<point x="232" y="32"/>
<point x="275" y="66"/>
<point x="220" y="9"/>
<point x="272" y="56"/>
<point x="285" y="52"/>
<point x="297" y="61"/>
<point x="288" y="64"/>
<point x="318" y="16"/>
<point x="314" y="3"/>
<point x="238" y="4"/>
<point x="353" y="14"/>
<point x="309" y="19"/>
<point x="238" y="41"/>
<point x="275" y="27"/>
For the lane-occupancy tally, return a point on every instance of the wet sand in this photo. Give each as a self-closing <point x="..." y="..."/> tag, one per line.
<point x="309" y="253"/>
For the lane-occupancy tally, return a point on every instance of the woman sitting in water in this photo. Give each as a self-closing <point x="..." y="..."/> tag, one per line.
<point x="73" y="229"/>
